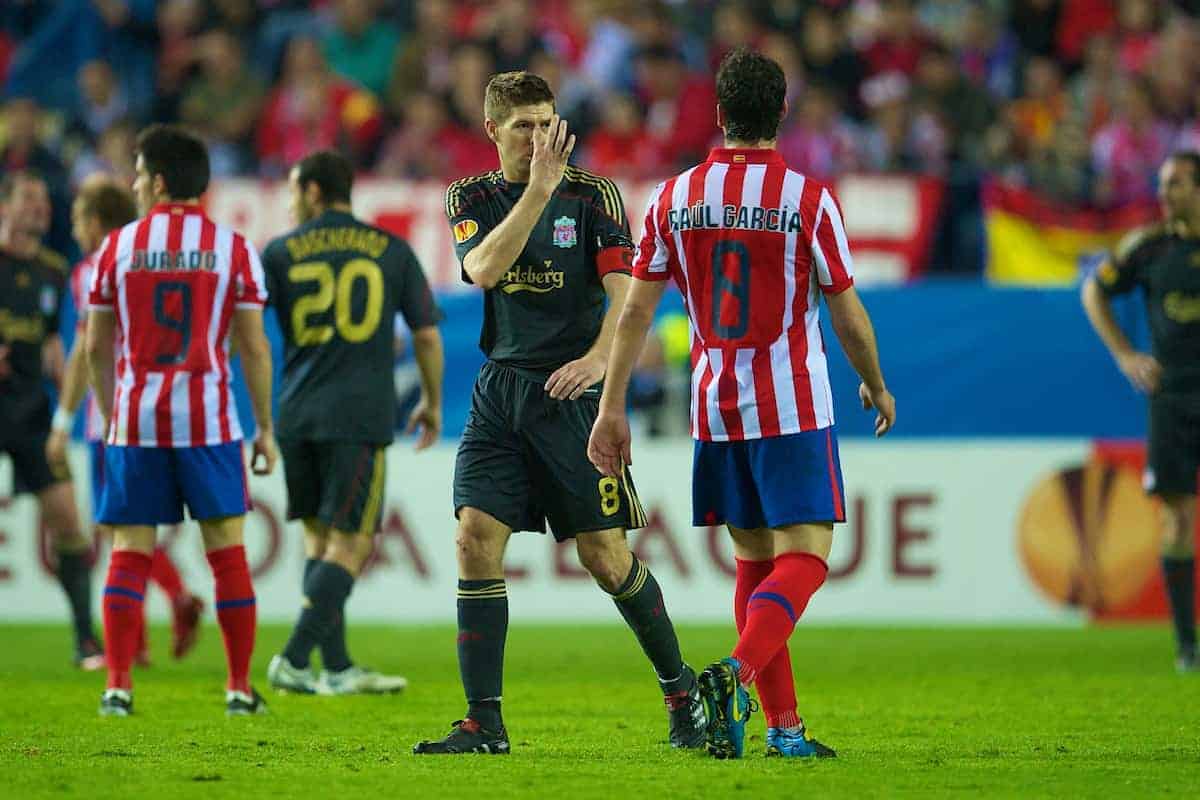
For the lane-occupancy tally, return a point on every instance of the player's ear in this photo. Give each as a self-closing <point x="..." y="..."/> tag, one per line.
<point x="720" y="117"/>
<point x="489" y="127"/>
<point x="784" y="112"/>
<point x="159" y="185"/>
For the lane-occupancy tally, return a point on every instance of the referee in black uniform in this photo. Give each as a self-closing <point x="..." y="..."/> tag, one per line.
<point x="549" y="245"/>
<point x="1164" y="261"/>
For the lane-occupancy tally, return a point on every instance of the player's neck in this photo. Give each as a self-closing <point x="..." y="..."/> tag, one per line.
<point x="163" y="200"/>
<point x="340" y="208"/>
<point x="514" y="174"/>
<point x="760" y="144"/>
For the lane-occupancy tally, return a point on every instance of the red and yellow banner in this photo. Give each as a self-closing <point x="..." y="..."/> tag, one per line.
<point x="1033" y="241"/>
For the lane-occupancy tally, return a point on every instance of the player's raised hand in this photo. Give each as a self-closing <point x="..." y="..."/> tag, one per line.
<point x="551" y="150"/>
<point x="884" y="403"/>
<point x="429" y="420"/>
<point x="572" y="379"/>
<point x="609" y="445"/>
<point x="1142" y="370"/>
<point x="265" y="453"/>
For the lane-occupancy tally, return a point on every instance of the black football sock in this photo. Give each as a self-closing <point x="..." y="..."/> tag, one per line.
<point x="482" y="629"/>
<point x="75" y="576"/>
<point x="640" y="601"/>
<point x="1180" y="576"/>
<point x="334" y="656"/>
<point x="325" y="592"/>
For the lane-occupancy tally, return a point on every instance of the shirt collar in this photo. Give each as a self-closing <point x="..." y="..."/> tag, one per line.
<point x="176" y="208"/>
<point x="747" y="155"/>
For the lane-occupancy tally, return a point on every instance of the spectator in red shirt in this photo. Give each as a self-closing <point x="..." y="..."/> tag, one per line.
<point x="620" y="147"/>
<point x="1079" y="21"/>
<point x="899" y="40"/>
<point x="469" y="150"/>
<point x="1138" y="22"/>
<point x="679" y="106"/>
<point x="312" y="109"/>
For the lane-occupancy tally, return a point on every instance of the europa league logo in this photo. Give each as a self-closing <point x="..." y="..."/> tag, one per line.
<point x="1088" y="536"/>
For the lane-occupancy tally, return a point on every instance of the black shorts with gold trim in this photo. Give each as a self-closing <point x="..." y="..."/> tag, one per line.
<point x="339" y="483"/>
<point x="523" y="460"/>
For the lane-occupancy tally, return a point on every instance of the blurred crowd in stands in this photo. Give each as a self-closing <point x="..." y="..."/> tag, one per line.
<point x="1077" y="99"/>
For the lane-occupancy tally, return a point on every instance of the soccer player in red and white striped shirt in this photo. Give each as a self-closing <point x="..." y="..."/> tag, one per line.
<point x="102" y="206"/>
<point x="173" y="287"/>
<point x="753" y="246"/>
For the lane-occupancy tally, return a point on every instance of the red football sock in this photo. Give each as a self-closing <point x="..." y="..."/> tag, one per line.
<point x="773" y="608"/>
<point x="124" y="595"/>
<point x="163" y="572"/>
<point x="236" y="612"/>
<point x="776" y="687"/>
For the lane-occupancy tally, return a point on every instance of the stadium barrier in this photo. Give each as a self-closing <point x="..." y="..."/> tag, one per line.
<point x="952" y="531"/>
<point x="890" y="219"/>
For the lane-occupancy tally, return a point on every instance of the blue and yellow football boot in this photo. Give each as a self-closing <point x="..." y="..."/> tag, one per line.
<point x="727" y="706"/>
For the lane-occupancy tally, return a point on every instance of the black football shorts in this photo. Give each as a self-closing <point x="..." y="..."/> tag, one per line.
<point x="338" y="483"/>
<point x="523" y="460"/>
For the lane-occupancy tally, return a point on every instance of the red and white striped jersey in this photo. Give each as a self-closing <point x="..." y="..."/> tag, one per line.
<point x="174" y="278"/>
<point x="751" y="244"/>
<point x="81" y="281"/>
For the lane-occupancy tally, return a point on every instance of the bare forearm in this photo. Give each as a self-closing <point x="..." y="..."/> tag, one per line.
<point x="101" y="336"/>
<point x="100" y="371"/>
<point x="499" y="250"/>
<point x="427" y="349"/>
<point x="616" y="286"/>
<point x="75" y="379"/>
<point x="857" y="337"/>
<point x="1100" y="315"/>
<point x="628" y="339"/>
<point x="256" y="368"/>
<point x="251" y="342"/>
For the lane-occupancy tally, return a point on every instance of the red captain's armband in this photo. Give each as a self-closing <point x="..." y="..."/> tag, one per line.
<point x="614" y="259"/>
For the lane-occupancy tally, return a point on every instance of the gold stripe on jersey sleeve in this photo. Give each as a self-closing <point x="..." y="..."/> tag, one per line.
<point x="613" y="206"/>
<point x="454" y="190"/>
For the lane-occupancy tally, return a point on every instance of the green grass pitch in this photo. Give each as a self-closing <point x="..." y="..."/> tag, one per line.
<point x="913" y="713"/>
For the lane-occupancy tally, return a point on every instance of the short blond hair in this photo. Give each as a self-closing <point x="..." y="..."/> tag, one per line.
<point x="110" y="202"/>
<point x="507" y="90"/>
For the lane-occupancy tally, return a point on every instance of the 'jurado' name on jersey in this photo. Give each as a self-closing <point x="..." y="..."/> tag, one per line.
<point x="181" y="261"/>
<point x="747" y="218"/>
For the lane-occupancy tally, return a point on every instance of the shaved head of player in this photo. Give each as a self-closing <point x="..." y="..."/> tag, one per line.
<point x="755" y="247"/>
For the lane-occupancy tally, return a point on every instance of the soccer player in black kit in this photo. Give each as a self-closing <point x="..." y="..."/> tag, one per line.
<point x="548" y="244"/>
<point x="337" y="284"/>
<point x="33" y="280"/>
<point x="1164" y="261"/>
